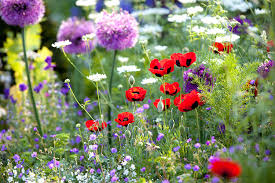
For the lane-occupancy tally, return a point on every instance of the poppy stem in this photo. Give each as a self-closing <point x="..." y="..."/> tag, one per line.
<point x="98" y="101"/>
<point x="198" y="125"/>
<point x="110" y="94"/>
<point x="30" y="84"/>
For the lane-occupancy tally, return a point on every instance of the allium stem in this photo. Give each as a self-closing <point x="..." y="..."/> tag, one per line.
<point x="110" y="94"/>
<point x="29" y="83"/>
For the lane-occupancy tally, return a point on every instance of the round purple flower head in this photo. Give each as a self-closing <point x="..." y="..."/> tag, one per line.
<point x="22" y="12"/>
<point x="116" y="31"/>
<point x="264" y="69"/>
<point x="73" y="29"/>
<point x="201" y="73"/>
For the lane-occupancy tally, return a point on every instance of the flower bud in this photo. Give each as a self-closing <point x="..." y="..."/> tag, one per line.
<point x="128" y="133"/>
<point x="131" y="80"/>
<point x="77" y="125"/>
<point x="67" y="81"/>
<point x="160" y="105"/>
<point x="242" y="17"/>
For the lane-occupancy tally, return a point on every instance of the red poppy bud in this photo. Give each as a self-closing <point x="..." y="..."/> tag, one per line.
<point x="166" y="103"/>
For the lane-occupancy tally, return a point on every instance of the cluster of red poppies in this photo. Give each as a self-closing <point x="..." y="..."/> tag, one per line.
<point x="185" y="102"/>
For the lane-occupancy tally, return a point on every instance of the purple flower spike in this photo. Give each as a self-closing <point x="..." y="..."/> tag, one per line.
<point x="117" y="31"/>
<point x="22" y="12"/>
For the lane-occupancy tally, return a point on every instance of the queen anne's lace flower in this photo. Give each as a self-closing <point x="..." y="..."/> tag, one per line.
<point x="22" y="12"/>
<point x="97" y="77"/>
<point x="61" y="44"/>
<point x="116" y="31"/>
<point x="73" y="29"/>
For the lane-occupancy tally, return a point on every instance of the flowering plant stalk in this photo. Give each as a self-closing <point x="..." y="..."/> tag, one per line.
<point x="29" y="83"/>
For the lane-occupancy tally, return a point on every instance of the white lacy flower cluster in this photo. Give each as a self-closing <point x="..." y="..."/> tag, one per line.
<point x="85" y="2"/>
<point x="150" y="29"/>
<point x="237" y="5"/>
<point x="61" y="44"/>
<point x="97" y="77"/>
<point x="127" y="68"/>
<point x="149" y="81"/>
<point x="151" y="11"/>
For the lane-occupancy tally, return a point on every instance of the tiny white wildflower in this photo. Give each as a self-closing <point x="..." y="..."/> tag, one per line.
<point x="3" y="112"/>
<point x="119" y="167"/>
<point x="133" y="166"/>
<point x="112" y="3"/>
<point x="97" y="77"/>
<point x="178" y="18"/>
<point x="194" y="10"/>
<point x="187" y="1"/>
<point x="160" y="48"/>
<point x="126" y="172"/>
<point x="150" y="29"/>
<point x="198" y="29"/>
<point x="261" y="11"/>
<point x="128" y="68"/>
<point x="123" y="59"/>
<point x="214" y="31"/>
<point x="85" y="2"/>
<point x="237" y="5"/>
<point x="134" y="174"/>
<point x="87" y="37"/>
<point x="30" y="54"/>
<point x="124" y="163"/>
<point x="151" y="11"/>
<point x="93" y="16"/>
<point x="61" y="44"/>
<point x="227" y="38"/>
<point x="149" y="81"/>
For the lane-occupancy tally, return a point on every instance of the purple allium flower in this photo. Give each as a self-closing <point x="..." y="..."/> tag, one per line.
<point x="127" y="158"/>
<point x="116" y="31"/>
<point x="22" y="12"/>
<point x="188" y="140"/>
<point x="16" y="158"/>
<point x="264" y="68"/>
<point x="241" y="27"/>
<point x="196" y="168"/>
<point x="175" y="149"/>
<point x="114" y="179"/>
<point x="34" y="154"/>
<point x="143" y="169"/>
<point x="49" y="65"/>
<point x="114" y="150"/>
<point x="160" y="136"/>
<point x="73" y="29"/>
<point x="146" y="106"/>
<point x="201" y="73"/>
<point x="93" y="137"/>
<point x="187" y="166"/>
<point x="22" y="87"/>
<point x="92" y="171"/>
<point x="112" y="172"/>
<point x="197" y="145"/>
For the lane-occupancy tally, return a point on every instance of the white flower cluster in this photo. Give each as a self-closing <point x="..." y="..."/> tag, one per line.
<point x="187" y="1"/>
<point x="178" y="18"/>
<point x="150" y="29"/>
<point x="160" y="48"/>
<point x="85" y="2"/>
<point x="112" y="3"/>
<point x="123" y="59"/>
<point x="61" y="44"/>
<point x="261" y="11"/>
<point x="97" y="77"/>
<point x="151" y="11"/>
<point x="127" y="68"/>
<point x="237" y="5"/>
<point x="88" y="37"/>
<point x="148" y="81"/>
<point x="227" y="38"/>
<point x="194" y="10"/>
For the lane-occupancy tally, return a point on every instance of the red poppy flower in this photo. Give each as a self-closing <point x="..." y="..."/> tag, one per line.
<point x="226" y="168"/>
<point x="166" y="103"/>
<point x="94" y="126"/>
<point x="125" y="118"/>
<point x="135" y="94"/>
<point x="184" y="60"/>
<point x="188" y="102"/>
<point x="222" y="47"/>
<point x="160" y="68"/>
<point x="270" y="45"/>
<point x="170" y="89"/>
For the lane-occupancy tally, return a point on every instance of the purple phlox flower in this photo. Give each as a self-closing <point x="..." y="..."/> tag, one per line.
<point x="175" y="149"/>
<point x="114" y="179"/>
<point x="34" y="129"/>
<point x="202" y="74"/>
<point x="208" y="108"/>
<point x="146" y="106"/>
<point x="94" y="147"/>
<point x="98" y="170"/>
<point x="240" y="139"/>
<point x="241" y="27"/>
<point x="208" y="143"/>
<point x="140" y="110"/>
<point x="267" y="152"/>
<point x="93" y="137"/>
<point x="8" y="137"/>
<point x="36" y="139"/>
<point x="231" y="149"/>
<point x="266" y="158"/>
<point x="112" y="172"/>
<point x="188" y="140"/>
<point x="115" y="135"/>
<point x="77" y="139"/>
<point x="160" y="136"/>
<point x="196" y="168"/>
<point x="73" y="29"/>
<point x="114" y="150"/>
<point x="206" y="176"/>
<point x="224" y="149"/>
<point x="215" y="180"/>
<point x="74" y="150"/>
<point x="126" y="179"/>
<point x="81" y="158"/>
<point x="22" y="13"/>
<point x="49" y="65"/>
<point x="45" y="136"/>
<point x="53" y="163"/>
<point x="127" y="158"/>
<point x="197" y="145"/>
<point x="264" y="68"/>
<point x="16" y="158"/>
<point x="58" y="128"/>
<point x="22" y="87"/>
<point x="79" y="112"/>
<point x="92" y="171"/>
<point x="3" y="147"/>
<point x="187" y="166"/>
<point x="53" y="135"/>
<point x="165" y="181"/>
<point x="34" y="154"/>
<point x="116" y="31"/>
<point x="212" y="159"/>
<point x="38" y="88"/>
<point x="143" y="169"/>
<point x="36" y="146"/>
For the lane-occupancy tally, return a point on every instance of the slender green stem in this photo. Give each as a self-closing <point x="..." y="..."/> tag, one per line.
<point x="110" y="94"/>
<point x="99" y="107"/>
<point x="78" y="102"/>
<point x="29" y="83"/>
<point x="198" y="124"/>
